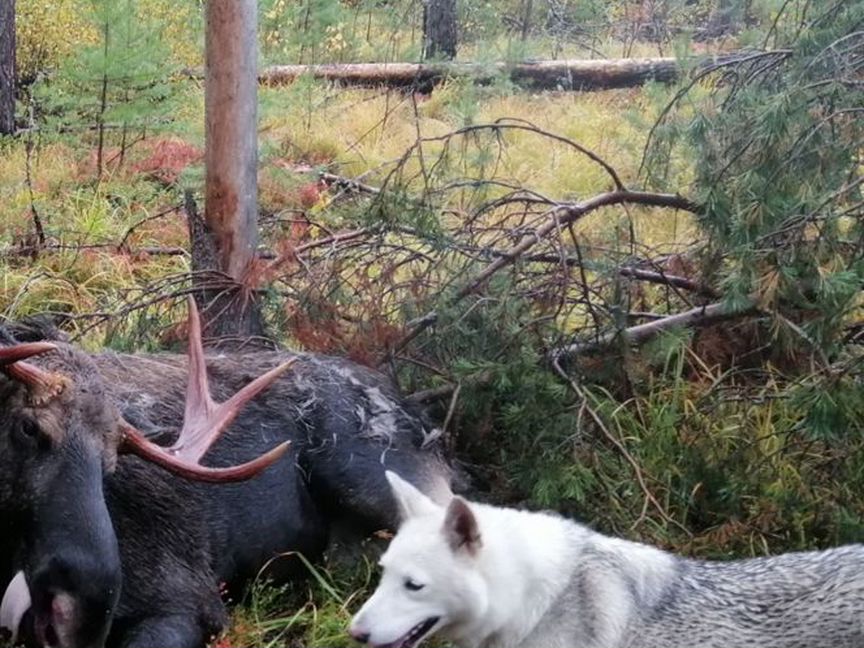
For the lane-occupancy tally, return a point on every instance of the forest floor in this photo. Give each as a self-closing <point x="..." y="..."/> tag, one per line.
<point x="720" y="445"/>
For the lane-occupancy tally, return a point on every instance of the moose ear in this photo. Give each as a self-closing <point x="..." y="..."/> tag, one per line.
<point x="460" y="527"/>
<point x="410" y="501"/>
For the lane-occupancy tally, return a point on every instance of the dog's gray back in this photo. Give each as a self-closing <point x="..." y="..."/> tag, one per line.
<point x="795" y="600"/>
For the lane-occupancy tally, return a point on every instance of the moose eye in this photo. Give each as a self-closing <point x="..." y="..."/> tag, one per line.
<point x="27" y="431"/>
<point x="413" y="586"/>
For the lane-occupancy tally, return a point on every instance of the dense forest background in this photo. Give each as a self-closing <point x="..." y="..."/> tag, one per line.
<point x="640" y="307"/>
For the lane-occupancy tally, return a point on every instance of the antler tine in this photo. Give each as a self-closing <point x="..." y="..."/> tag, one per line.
<point x="198" y="389"/>
<point x="204" y="421"/>
<point x="43" y="384"/>
<point x="17" y="352"/>
<point x="136" y="443"/>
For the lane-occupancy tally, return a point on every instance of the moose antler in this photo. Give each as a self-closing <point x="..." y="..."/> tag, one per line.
<point x="204" y="421"/>
<point x="18" y="352"/>
<point x="43" y="385"/>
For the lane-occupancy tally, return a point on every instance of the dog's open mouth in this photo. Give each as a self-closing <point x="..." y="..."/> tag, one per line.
<point x="415" y="635"/>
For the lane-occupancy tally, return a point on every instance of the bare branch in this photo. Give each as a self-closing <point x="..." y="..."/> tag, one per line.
<point x="563" y="214"/>
<point x="669" y="280"/>
<point x="571" y="213"/>
<point x="701" y="316"/>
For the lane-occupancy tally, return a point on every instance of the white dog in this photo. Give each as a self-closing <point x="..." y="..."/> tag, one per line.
<point x="492" y="577"/>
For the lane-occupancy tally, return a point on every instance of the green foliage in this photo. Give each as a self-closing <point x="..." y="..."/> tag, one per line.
<point x="121" y="76"/>
<point x="511" y="410"/>
<point x="117" y="85"/>
<point x="303" y="31"/>
<point x="732" y="470"/>
<point x="314" y="612"/>
<point x="776" y="152"/>
<point x="42" y="33"/>
<point x="48" y="33"/>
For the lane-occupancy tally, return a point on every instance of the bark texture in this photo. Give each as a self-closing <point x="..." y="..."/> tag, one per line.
<point x="576" y="74"/>
<point x="439" y="29"/>
<point x="7" y="67"/>
<point x="231" y="157"/>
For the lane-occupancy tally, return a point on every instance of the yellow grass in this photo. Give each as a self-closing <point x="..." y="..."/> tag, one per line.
<point x="355" y="132"/>
<point x="364" y="132"/>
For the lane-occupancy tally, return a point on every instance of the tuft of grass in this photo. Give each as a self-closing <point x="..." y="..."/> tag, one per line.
<point x="314" y="612"/>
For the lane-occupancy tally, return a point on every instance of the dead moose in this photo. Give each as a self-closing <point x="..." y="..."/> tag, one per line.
<point x="114" y="532"/>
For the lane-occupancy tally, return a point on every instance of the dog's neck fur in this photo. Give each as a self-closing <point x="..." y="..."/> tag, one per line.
<point x="532" y="584"/>
<point x="519" y="573"/>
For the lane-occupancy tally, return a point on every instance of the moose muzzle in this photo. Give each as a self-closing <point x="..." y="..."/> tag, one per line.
<point x="71" y="564"/>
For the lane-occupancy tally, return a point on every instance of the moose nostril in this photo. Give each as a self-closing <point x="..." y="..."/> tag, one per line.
<point x="359" y="635"/>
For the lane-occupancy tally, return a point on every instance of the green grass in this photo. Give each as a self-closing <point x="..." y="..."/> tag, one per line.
<point x="315" y="612"/>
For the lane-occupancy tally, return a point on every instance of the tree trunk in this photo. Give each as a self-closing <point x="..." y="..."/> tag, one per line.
<point x="231" y="159"/>
<point x="439" y="29"/>
<point x="7" y="67"/>
<point x="527" y="10"/>
<point x="723" y="20"/>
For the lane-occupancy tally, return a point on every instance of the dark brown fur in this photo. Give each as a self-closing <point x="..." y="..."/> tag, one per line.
<point x="178" y="540"/>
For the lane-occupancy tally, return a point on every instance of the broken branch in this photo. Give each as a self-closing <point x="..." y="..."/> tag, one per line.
<point x="701" y="316"/>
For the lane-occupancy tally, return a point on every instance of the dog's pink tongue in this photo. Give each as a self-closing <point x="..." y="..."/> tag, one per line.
<point x="16" y="602"/>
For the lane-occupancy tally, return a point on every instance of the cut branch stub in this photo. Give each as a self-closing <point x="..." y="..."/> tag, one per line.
<point x="204" y="421"/>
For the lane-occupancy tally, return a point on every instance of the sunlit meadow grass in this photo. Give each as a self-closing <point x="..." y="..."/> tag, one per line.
<point x="357" y="133"/>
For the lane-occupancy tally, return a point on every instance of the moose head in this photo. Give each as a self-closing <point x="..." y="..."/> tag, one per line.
<point x="60" y="434"/>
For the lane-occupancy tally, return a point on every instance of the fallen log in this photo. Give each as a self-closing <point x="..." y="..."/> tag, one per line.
<point x="547" y="75"/>
<point x="574" y="74"/>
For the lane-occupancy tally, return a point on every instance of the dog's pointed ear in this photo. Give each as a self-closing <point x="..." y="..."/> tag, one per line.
<point x="460" y="527"/>
<point x="411" y="502"/>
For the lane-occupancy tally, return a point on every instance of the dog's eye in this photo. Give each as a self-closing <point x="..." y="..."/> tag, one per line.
<point x="413" y="585"/>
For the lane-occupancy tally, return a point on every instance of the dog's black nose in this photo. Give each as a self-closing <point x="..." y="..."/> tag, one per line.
<point x="359" y="635"/>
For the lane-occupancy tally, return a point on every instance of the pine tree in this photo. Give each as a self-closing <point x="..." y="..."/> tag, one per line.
<point x="777" y="152"/>
<point x="119" y="86"/>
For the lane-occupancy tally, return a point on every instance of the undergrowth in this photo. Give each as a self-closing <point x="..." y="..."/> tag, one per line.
<point x="728" y="442"/>
<point x="730" y="462"/>
<point x="311" y="612"/>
